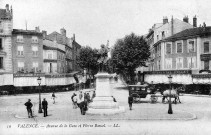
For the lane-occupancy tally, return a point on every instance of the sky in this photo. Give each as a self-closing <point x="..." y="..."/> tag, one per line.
<point x="95" y="21"/>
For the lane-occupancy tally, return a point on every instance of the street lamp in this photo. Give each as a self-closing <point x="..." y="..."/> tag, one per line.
<point x="170" y="106"/>
<point x="39" y="82"/>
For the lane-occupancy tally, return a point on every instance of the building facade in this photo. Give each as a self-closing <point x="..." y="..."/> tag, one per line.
<point x="160" y="32"/>
<point x="76" y="53"/>
<point x="27" y="51"/>
<point x="53" y="56"/>
<point x="6" y="65"/>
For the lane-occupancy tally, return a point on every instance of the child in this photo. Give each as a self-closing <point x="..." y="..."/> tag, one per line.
<point x="53" y="96"/>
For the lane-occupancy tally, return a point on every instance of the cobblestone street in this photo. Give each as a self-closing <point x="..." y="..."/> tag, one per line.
<point x="193" y="110"/>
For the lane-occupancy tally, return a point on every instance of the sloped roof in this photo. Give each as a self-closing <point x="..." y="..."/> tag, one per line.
<point x="26" y="32"/>
<point x="193" y="32"/>
<point x="59" y="37"/>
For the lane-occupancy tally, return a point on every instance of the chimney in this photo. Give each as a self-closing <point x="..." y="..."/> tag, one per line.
<point x="37" y="29"/>
<point x="63" y="32"/>
<point x="44" y="34"/>
<point x="185" y="19"/>
<point x="194" y="21"/>
<point x="165" y="20"/>
<point x="7" y="8"/>
<point x="73" y="37"/>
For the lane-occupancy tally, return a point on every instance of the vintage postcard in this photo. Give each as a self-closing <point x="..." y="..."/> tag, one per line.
<point x="76" y="67"/>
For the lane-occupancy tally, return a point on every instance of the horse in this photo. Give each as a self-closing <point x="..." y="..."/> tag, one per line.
<point x="174" y="94"/>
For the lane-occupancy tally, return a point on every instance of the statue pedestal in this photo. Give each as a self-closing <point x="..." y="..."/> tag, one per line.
<point x="103" y="103"/>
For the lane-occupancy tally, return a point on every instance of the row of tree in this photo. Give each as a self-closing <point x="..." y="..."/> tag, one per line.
<point x="127" y="54"/>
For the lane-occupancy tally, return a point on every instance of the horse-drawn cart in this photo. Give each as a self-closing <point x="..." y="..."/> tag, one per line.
<point x="141" y="91"/>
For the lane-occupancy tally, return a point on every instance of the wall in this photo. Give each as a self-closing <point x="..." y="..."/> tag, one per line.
<point x="28" y="57"/>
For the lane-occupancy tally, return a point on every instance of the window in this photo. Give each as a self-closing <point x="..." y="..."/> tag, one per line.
<point x="20" y="66"/>
<point x="158" y="65"/>
<point x="206" y="47"/>
<point x="20" y="50"/>
<point x="163" y="34"/>
<point x="1" y="63"/>
<point x="168" y="63"/>
<point x="1" y="27"/>
<point x="179" y="47"/>
<point x="191" y="46"/>
<point x="35" y="66"/>
<point x="50" y="55"/>
<point x="157" y="37"/>
<point x="34" y="50"/>
<point x="168" y="48"/>
<point x="34" y="39"/>
<point x="20" y="38"/>
<point x="179" y="63"/>
<point x="206" y="65"/>
<point x="1" y="44"/>
<point x="191" y="62"/>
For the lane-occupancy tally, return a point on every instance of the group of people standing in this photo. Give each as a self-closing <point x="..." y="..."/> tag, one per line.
<point x="29" y="106"/>
<point x="82" y="100"/>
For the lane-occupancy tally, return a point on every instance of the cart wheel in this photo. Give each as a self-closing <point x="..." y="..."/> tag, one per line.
<point x="154" y="99"/>
<point x="136" y="98"/>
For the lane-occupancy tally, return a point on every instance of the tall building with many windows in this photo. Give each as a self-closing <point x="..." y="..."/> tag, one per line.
<point x="6" y="26"/>
<point x="27" y="51"/>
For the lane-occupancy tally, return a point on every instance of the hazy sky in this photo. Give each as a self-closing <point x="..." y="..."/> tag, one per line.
<point x="96" y="21"/>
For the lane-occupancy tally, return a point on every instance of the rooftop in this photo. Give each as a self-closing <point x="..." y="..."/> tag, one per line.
<point x="26" y="32"/>
<point x="192" y="32"/>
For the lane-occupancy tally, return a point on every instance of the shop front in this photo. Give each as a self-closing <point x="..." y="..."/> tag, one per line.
<point x="161" y="77"/>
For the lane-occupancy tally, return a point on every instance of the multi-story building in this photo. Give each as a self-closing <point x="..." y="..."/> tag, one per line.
<point x="6" y="26"/>
<point x="53" y="55"/>
<point x="27" y="51"/>
<point x="162" y="31"/>
<point x="76" y="53"/>
<point x="61" y="38"/>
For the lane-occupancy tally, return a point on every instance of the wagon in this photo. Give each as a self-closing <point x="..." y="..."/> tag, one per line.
<point x="141" y="91"/>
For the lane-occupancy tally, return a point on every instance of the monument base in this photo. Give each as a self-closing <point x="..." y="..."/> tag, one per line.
<point x="103" y="103"/>
<point x="92" y="111"/>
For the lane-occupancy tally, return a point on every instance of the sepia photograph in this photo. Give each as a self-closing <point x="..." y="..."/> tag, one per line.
<point x="105" y="67"/>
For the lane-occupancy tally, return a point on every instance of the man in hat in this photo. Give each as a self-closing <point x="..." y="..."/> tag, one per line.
<point x="45" y="107"/>
<point x="29" y="108"/>
<point x="130" y="101"/>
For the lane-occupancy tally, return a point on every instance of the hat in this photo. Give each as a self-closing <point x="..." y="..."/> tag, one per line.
<point x="29" y="99"/>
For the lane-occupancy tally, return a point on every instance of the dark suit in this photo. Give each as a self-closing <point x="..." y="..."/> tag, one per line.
<point x="28" y="107"/>
<point x="130" y="101"/>
<point x="45" y="107"/>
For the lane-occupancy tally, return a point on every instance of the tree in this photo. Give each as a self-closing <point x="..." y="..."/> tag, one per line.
<point x="87" y="59"/>
<point x="128" y="54"/>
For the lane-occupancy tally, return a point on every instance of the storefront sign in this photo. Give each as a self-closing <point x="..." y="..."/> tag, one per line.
<point x="201" y="76"/>
<point x="205" y="57"/>
<point x="28" y="75"/>
<point x="169" y="72"/>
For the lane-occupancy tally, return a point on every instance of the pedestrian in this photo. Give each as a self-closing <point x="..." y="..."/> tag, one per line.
<point x="88" y="98"/>
<point x="45" y="107"/>
<point x="93" y="95"/>
<point x="113" y="99"/>
<point x="74" y="100"/>
<point x="53" y="97"/>
<point x="80" y="95"/>
<point x="83" y="107"/>
<point x="29" y="105"/>
<point x="130" y="101"/>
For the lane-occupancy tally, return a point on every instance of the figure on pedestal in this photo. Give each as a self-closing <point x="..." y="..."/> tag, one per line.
<point x="102" y="57"/>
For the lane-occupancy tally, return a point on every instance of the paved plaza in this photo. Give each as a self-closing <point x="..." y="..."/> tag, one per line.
<point x="193" y="113"/>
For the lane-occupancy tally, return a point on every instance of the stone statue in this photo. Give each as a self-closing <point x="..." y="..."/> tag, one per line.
<point x="102" y="57"/>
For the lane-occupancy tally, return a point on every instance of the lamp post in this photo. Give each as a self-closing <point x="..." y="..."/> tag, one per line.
<point x="170" y="106"/>
<point x="85" y="77"/>
<point x="39" y="82"/>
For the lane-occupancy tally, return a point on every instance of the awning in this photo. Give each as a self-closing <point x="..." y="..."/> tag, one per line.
<point x="163" y="78"/>
<point x="201" y="78"/>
